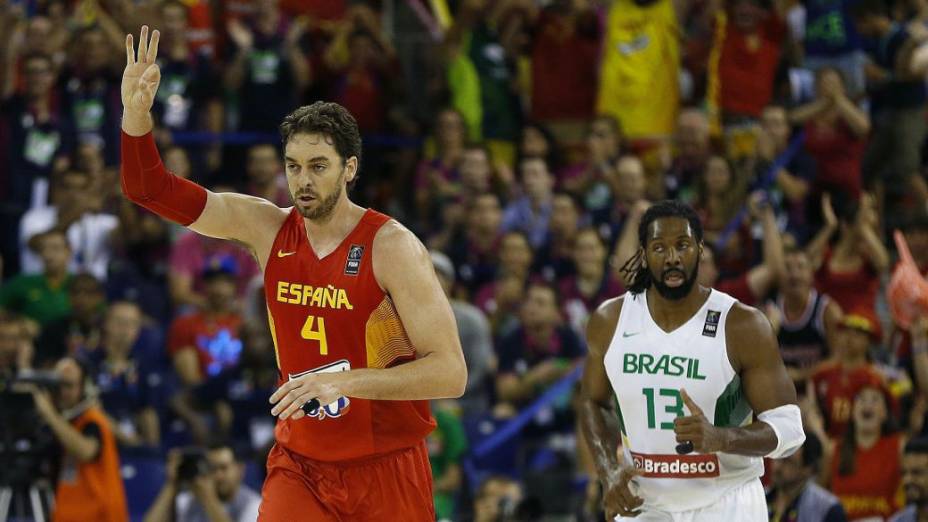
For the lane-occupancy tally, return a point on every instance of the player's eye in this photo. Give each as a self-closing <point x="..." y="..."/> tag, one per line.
<point x="319" y="168"/>
<point x="291" y="167"/>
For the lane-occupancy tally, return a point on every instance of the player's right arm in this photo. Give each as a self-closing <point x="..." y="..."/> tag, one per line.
<point x="598" y="419"/>
<point x="146" y="182"/>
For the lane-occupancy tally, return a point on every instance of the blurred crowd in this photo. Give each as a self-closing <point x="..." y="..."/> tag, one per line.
<point x="522" y="140"/>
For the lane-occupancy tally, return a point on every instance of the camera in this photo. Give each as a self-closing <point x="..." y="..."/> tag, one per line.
<point x="193" y="464"/>
<point x="27" y="447"/>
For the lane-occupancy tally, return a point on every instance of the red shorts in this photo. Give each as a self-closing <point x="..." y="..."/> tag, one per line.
<point x="392" y="486"/>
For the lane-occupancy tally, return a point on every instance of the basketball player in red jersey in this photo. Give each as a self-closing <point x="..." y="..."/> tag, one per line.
<point x="359" y="320"/>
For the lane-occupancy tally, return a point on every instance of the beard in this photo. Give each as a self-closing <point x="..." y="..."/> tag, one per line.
<point x="675" y="293"/>
<point x="325" y="206"/>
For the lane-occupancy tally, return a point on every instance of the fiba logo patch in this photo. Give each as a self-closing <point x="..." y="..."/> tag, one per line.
<point x="353" y="264"/>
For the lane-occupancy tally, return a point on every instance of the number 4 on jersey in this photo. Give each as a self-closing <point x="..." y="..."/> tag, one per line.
<point x="314" y="330"/>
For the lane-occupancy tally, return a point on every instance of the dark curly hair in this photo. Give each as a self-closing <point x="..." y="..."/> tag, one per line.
<point x="636" y="275"/>
<point x="330" y="120"/>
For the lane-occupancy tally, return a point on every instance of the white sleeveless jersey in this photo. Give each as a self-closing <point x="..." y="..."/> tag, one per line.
<point x="647" y="368"/>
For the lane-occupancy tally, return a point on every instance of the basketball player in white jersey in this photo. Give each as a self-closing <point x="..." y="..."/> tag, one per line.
<point x="688" y="366"/>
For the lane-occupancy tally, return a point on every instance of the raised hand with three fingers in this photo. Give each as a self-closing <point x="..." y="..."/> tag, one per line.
<point x="140" y="80"/>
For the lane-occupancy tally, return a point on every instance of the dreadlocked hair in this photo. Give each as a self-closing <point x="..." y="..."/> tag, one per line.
<point x="635" y="273"/>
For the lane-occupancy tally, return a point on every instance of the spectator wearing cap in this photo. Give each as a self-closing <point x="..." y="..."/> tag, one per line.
<point x="192" y="255"/>
<point x="203" y="344"/>
<point x="42" y="297"/>
<point x="476" y="341"/>
<point x="835" y="381"/>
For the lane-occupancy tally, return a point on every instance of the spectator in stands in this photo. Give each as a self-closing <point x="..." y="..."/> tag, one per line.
<point x="474" y="248"/>
<point x="237" y="397"/>
<point x="42" y="297"/>
<point x="805" y="320"/>
<point x="865" y="466"/>
<point x="363" y="62"/>
<point x="748" y="46"/>
<point x="638" y="75"/>
<point x="187" y="99"/>
<point x="530" y="213"/>
<point x="538" y="141"/>
<point x="500" y="298"/>
<point x="581" y="293"/>
<point x="476" y="341"/>
<point x="80" y="329"/>
<point x="538" y="352"/>
<point x="897" y="104"/>
<point x="206" y="342"/>
<point x="447" y="444"/>
<point x="77" y="209"/>
<point x="849" y="269"/>
<point x="793" y="182"/>
<point x="795" y="495"/>
<point x="192" y="255"/>
<point x="555" y="259"/>
<point x="215" y="494"/>
<point x="754" y="284"/>
<point x="267" y="68"/>
<point x="835" y="136"/>
<point x="127" y="388"/>
<point x="16" y="347"/>
<point x="836" y="380"/>
<point x="481" y="55"/>
<point x="36" y="136"/>
<point x="266" y="175"/>
<point x="90" y="89"/>
<point x="830" y="39"/>
<point x="438" y="174"/>
<point x="565" y="48"/>
<point x="914" y="482"/>
<point x="592" y="180"/>
<point x="692" y="148"/>
<point x="498" y="498"/>
<point x="629" y="185"/>
<point x="89" y="484"/>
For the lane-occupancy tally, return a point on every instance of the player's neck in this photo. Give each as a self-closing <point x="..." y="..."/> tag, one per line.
<point x="339" y="223"/>
<point x="669" y="314"/>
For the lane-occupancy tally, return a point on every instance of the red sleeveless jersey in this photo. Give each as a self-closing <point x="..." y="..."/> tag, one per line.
<point x="330" y="315"/>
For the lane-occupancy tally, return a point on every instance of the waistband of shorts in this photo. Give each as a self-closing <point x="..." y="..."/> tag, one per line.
<point x="348" y="463"/>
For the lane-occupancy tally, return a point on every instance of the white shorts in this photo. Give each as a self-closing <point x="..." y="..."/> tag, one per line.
<point x="746" y="503"/>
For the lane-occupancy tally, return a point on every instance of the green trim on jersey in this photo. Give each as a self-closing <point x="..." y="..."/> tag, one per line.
<point x="732" y="408"/>
<point x="618" y="413"/>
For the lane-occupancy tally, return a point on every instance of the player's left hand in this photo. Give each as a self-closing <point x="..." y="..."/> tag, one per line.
<point x="696" y="428"/>
<point x="290" y="398"/>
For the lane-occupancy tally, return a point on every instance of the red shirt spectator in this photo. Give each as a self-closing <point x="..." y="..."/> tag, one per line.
<point x="835" y="386"/>
<point x="565" y="58"/>
<point x="855" y="292"/>
<point x="749" y="54"/>
<point x="837" y="152"/>
<point x="193" y="254"/>
<point x="214" y="337"/>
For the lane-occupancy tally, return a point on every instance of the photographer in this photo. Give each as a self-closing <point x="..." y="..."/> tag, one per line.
<point x="204" y="488"/>
<point x="89" y="485"/>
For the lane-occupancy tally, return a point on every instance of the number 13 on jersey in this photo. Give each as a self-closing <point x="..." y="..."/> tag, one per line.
<point x="314" y="330"/>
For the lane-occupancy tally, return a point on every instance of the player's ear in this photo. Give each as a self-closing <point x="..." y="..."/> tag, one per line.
<point x="351" y="166"/>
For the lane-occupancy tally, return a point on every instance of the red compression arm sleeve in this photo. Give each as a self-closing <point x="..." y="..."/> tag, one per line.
<point x="145" y="181"/>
